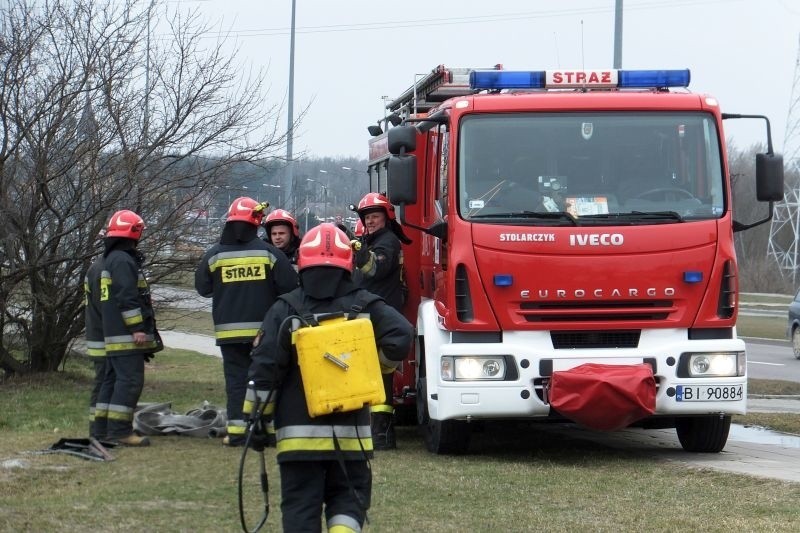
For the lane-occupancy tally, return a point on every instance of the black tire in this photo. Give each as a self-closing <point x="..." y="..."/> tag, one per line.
<point x="703" y="434"/>
<point x="422" y="402"/>
<point x="442" y="437"/>
<point x="405" y="415"/>
<point x="796" y="341"/>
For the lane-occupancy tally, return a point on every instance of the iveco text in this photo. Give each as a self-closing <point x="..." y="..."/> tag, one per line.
<point x="597" y="239"/>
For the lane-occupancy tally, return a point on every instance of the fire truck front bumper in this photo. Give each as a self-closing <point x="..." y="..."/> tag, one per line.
<point x="511" y="379"/>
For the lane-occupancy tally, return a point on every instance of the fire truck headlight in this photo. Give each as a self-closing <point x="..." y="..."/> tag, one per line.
<point x="473" y="368"/>
<point x="716" y="364"/>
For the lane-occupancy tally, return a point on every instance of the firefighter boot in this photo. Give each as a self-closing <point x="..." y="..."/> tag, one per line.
<point x="234" y="441"/>
<point x="134" y="441"/>
<point x="382" y="426"/>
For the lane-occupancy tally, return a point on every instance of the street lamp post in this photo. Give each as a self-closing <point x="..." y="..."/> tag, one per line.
<point x="325" y="192"/>
<point x="358" y="186"/>
<point x="229" y="188"/>
<point x="279" y="203"/>
<point x="306" y="228"/>
<point x="288" y="178"/>
<point x="325" y="199"/>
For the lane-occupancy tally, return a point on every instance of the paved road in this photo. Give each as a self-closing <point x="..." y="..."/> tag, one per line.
<point x="772" y="359"/>
<point x="770" y="455"/>
<point x="181" y="298"/>
<point x="189" y="341"/>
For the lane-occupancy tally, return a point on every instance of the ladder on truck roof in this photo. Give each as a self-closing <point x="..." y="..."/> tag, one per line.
<point x="434" y="88"/>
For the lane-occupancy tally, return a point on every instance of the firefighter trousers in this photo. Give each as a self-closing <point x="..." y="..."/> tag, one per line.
<point x="120" y="393"/>
<point x="235" y="365"/>
<point x="98" y="421"/>
<point x="308" y="486"/>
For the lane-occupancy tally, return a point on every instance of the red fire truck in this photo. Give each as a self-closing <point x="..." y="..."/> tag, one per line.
<point x="573" y="255"/>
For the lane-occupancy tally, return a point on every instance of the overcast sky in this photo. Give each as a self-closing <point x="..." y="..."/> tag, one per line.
<point x="349" y="53"/>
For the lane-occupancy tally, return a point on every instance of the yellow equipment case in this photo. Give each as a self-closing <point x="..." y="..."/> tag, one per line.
<point x="338" y="361"/>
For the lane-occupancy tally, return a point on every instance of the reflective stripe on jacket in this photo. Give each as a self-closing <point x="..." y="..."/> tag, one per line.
<point x="126" y="305"/>
<point x="244" y="280"/>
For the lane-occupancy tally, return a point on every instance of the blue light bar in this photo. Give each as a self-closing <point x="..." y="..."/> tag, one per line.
<point x="503" y="280"/>
<point x="654" y="78"/>
<point x="573" y="79"/>
<point x="506" y="79"/>
<point x="692" y="276"/>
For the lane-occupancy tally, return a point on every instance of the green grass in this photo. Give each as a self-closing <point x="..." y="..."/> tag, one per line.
<point x="782" y="422"/>
<point x="772" y="387"/>
<point x="185" y="320"/>
<point x="753" y="298"/>
<point x="520" y="479"/>
<point x="761" y="327"/>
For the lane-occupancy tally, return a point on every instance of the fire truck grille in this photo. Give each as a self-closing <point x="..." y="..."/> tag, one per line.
<point x="595" y="339"/>
<point x="632" y="310"/>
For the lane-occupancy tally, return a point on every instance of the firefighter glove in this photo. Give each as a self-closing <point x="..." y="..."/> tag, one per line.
<point x="258" y="440"/>
<point x="262" y="434"/>
<point x="361" y="255"/>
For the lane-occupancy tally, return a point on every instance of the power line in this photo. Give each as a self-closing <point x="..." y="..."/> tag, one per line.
<point x="451" y="21"/>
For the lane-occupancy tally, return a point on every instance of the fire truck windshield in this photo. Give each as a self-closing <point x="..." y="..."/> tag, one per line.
<point x="597" y="168"/>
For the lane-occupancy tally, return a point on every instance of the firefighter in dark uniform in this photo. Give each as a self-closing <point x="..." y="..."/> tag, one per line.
<point x="243" y="275"/>
<point x="283" y="232"/>
<point x="380" y="265"/>
<point x="129" y="327"/>
<point x="322" y="460"/>
<point x="95" y="344"/>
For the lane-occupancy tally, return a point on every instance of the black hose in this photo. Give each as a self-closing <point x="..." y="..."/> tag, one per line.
<point x="252" y="426"/>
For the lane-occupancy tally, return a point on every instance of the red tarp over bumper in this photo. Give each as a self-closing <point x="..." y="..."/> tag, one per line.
<point x="604" y="397"/>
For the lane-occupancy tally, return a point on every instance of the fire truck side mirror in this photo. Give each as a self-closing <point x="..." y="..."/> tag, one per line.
<point x="402" y="138"/>
<point x="438" y="229"/>
<point x="769" y="177"/>
<point x="401" y="179"/>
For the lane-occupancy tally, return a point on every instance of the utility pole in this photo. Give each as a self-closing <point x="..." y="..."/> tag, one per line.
<point x="288" y="178"/>
<point x="306" y="228"/>
<point x="618" y="34"/>
<point x="325" y="194"/>
<point x="784" y="231"/>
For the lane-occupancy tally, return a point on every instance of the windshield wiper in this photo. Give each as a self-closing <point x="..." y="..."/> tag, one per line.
<point x="540" y="215"/>
<point x="637" y="216"/>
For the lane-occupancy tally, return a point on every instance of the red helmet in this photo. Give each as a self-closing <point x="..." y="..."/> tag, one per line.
<point x="281" y="216"/>
<point x="358" y="231"/>
<point x="125" y="224"/>
<point x="246" y="209"/>
<point x="325" y="245"/>
<point x="374" y="201"/>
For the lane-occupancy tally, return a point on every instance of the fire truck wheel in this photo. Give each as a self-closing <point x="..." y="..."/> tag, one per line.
<point x="703" y="434"/>
<point x="447" y="437"/>
<point x="405" y="415"/>
<point x="422" y="402"/>
<point x="442" y="437"/>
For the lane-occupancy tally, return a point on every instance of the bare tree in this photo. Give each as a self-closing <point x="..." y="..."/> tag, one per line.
<point x="95" y="116"/>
